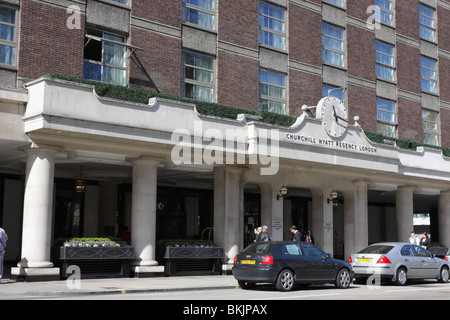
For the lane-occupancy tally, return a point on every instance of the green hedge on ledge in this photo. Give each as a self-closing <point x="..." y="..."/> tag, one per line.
<point x="219" y="110"/>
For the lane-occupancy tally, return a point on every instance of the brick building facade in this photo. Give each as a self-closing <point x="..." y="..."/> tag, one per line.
<point x="387" y="60"/>
<point x="157" y="34"/>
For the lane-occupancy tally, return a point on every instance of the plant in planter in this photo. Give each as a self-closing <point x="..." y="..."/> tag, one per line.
<point x="94" y="248"/>
<point x="94" y="243"/>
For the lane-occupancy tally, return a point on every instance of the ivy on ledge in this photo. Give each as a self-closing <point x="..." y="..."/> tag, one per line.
<point x="219" y="110"/>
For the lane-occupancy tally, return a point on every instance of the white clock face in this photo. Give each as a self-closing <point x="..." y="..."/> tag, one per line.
<point x="334" y="117"/>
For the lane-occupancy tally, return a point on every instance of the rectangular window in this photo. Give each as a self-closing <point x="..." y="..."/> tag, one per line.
<point x="428" y="74"/>
<point x="339" y="3"/>
<point x="430" y="125"/>
<point x="333" y="47"/>
<point x="197" y="79"/>
<point x="386" y="117"/>
<point x="330" y="91"/>
<point x="272" y="26"/>
<point x="427" y="22"/>
<point x="385" y="60"/>
<point x="8" y="35"/>
<point x="272" y="92"/>
<point x="200" y="12"/>
<point x="105" y="58"/>
<point x="386" y="11"/>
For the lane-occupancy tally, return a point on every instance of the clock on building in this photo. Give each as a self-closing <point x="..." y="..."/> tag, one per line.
<point x="334" y="116"/>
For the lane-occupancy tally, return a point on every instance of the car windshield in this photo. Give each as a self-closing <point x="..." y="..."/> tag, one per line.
<point x="259" y="247"/>
<point x="377" y="249"/>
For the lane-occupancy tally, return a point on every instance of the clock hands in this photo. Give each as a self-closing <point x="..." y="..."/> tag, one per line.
<point x="336" y="117"/>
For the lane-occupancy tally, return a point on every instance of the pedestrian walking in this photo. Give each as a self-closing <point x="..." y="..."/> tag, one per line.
<point x="425" y="241"/>
<point x="309" y="237"/>
<point x="413" y="239"/>
<point x="3" y="239"/>
<point x="296" y="235"/>
<point x="263" y="235"/>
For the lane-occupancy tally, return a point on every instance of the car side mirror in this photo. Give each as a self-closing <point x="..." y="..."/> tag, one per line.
<point x="326" y="256"/>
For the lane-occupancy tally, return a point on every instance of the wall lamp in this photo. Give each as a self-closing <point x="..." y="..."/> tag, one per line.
<point x="283" y="191"/>
<point x="333" y="197"/>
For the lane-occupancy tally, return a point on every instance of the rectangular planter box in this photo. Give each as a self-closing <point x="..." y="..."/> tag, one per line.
<point x="193" y="253"/>
<point x="96" y="253"/>
<point x="99" y="261"/>
<point x="193" y="260"/>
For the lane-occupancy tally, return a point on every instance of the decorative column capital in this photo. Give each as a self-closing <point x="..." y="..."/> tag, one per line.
<point x="146" y="160"/>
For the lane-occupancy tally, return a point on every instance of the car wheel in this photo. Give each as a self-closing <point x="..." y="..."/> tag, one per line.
<point x="402" y="277"/>
<point x="245" y="284"/>
<point x="444" y="275"/>
<point x="285" y="280"/>
<point x="343" y="279"/>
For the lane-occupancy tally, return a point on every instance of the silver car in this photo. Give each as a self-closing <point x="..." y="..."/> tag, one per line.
<point x="398" y="262"/>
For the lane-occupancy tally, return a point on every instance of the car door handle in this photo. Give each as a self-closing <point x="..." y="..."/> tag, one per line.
<point x="406" y="260"/>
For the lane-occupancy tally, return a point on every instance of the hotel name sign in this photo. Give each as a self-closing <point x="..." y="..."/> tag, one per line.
<point x="342" y="145"/>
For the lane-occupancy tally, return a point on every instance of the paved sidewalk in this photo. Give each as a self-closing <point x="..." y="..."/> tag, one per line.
<point x="117" y="285"/>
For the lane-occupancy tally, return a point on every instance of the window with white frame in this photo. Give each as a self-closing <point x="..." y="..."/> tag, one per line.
<point x="386" y="11"/>
<point x="339" y="3"/>
<point x="428" y="74"/>
<point x="272" y="92"/>
<point x="272" y="25"/>
<point x="427" y="22"/>
<point x="333" y="45"/>
<point x="386" y="117"/>
<point x="8" y="35"/>
<point x="105" y="58"/>
<point x="197" y="78"/>
<point x="200" y="12"/>
<point x="430" y="125"/>
<point x="385" y="61"/>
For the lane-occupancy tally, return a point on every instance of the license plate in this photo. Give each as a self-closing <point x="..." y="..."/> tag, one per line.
<point x="364" y="260"/>
<point x="248" y="262"/>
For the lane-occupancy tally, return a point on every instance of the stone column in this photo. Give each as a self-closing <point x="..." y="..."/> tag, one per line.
<point x="37" y="215"/>
<point x="405" y="212"/>
<point x="143" y="212"/>
<point x="228" y="210"/>
<point x="361" y="216"/>
<point x="444" y="218"/>
<point x="322" y="219"/>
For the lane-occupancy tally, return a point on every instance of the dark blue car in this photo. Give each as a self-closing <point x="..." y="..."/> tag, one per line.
<point x="288" y="263"/>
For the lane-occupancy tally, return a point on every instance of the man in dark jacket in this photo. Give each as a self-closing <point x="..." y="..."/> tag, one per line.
<point x="263" y="235"/>
<point x="296" y="235"/>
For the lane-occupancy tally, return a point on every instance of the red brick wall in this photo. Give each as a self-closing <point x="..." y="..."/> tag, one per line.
<point x="407" y="17"/>
<point x="161" y="58"/>
<point x="408" y="68"/>
<point x="358" y="9"/>
<point x="46" y="44"/>
<point x="162" y="11"/>
<point x="238" y="22"/>
<point x="444" y="79"/>
<point x="443" y="20"/>
<point x="410" y="120"/>
<point x="361" y="53"/>
<point x="237" y="80"/>
<point x="305" y="35"/>
<point x="362" y="102"/>
<point x="304" y="88"/>
<point x="445" y="125"/>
